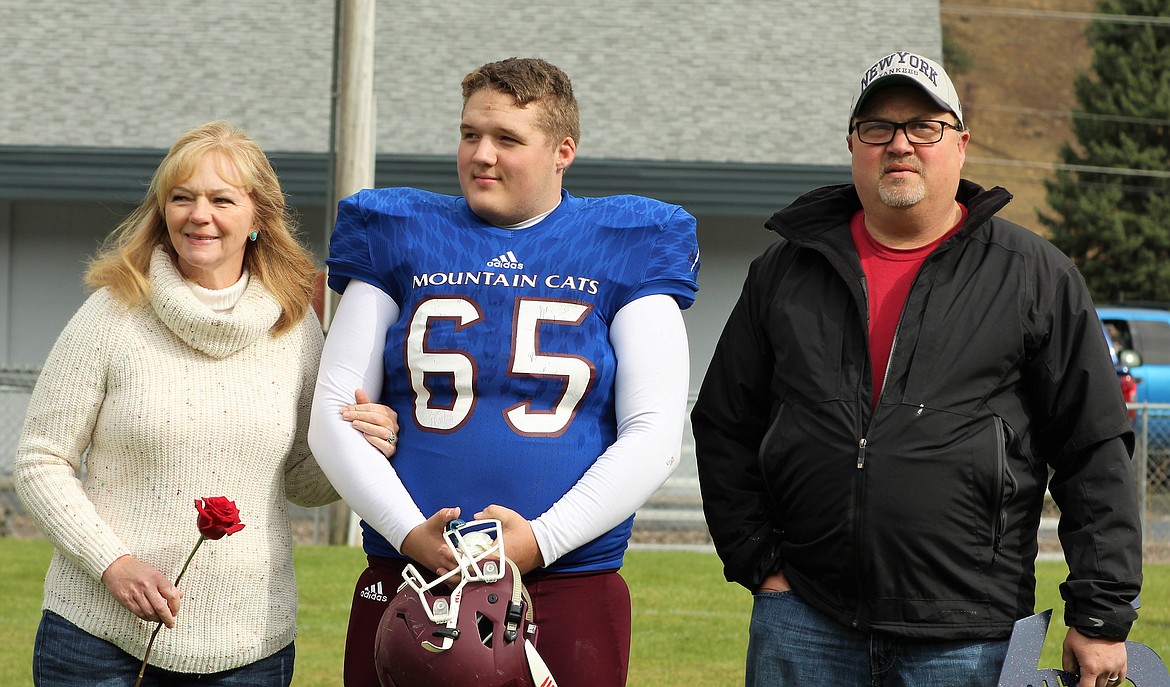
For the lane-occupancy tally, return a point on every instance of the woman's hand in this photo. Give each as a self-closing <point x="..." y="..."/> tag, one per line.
<point x="378" y="423"/>
<point x="143" y="590"/>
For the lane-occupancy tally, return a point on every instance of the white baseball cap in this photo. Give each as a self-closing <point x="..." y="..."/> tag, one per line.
<point x="910" y="69"/>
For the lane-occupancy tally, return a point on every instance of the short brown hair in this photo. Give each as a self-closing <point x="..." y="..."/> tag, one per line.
<point x="532" y="80"/>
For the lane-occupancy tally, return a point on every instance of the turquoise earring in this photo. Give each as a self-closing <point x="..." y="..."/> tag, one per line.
<point x="253" y="235"/>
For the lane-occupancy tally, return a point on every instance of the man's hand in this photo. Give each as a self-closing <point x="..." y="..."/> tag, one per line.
<point x="426" y="543"/>
<point x="519" y="542"/>
<point x="776" y="582"/>
<point x="143" y="590"/>
<point x="378" y="423"/>
<point x="1099" y="662"/>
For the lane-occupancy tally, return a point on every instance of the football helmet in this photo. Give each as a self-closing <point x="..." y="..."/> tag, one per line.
<point x="480" y="633"/>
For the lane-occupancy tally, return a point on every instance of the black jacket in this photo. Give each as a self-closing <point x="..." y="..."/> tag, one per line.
<point x="919" y="519"/>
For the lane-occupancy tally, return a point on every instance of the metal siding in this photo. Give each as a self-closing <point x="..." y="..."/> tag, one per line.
<point x="711" y="188"/>
<point x="7" y="210"/>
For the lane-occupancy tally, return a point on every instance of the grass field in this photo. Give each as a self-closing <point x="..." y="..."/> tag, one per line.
<point x="690" y="627"/>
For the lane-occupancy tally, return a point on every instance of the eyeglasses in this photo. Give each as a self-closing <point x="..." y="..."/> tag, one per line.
<point x="879" y="132"/>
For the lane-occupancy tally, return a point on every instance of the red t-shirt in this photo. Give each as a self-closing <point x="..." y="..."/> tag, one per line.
<point x="889" y="272"/>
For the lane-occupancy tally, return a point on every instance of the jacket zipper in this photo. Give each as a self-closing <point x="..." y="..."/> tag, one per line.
<point x="999" y="514"/>
<point x="858" y="521"/>
<point x="889" y="363"/>
<point x="863" y="445"/>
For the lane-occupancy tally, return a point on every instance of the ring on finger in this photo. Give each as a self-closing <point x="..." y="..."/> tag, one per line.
<point x="1114" y="678"/>
<point x="393" y="437"/>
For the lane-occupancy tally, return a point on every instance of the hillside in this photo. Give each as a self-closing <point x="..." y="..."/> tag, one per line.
<point x="1014" y="62"/>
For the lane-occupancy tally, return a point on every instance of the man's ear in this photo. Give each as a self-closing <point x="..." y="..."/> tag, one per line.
<point x="566" y="153"/>
<point x="964" y="138"/>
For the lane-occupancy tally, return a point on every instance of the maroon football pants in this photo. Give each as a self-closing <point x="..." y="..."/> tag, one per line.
<point x="582" y="620"/>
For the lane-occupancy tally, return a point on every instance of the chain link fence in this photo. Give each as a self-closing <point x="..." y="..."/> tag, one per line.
<point x="673" y="516"/>
<point x="15" y="387"/>
<point x="1152" y="426"/>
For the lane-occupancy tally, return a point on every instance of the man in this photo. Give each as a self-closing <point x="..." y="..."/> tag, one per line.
<point x="533" y="347"/>
<point x="877" y="426"/>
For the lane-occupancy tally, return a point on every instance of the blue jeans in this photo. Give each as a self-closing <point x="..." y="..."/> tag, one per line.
<point x="67" y="656"/>
<point x="792" y="644"/>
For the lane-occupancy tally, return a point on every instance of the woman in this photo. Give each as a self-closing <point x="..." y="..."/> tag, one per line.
<point x="188" y="373"/>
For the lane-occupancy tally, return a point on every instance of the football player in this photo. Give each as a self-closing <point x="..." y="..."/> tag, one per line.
<point x="533" y="346"/>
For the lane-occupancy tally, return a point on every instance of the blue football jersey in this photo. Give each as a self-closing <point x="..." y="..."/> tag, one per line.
<point x="500" y="365"/>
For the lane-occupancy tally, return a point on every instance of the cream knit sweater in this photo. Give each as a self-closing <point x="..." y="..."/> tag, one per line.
<point x="174" y="403"/>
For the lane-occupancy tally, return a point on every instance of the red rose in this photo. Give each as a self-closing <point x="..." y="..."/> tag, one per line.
<point x="217" y="517"/>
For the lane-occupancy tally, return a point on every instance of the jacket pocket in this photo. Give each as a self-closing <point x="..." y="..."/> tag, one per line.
<point x="1006" y="485"/>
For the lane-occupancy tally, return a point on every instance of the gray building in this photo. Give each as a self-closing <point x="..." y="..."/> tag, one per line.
<point x="730" y="109"/>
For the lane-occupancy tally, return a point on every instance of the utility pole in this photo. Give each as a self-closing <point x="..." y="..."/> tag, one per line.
<point x="352" y="162"/>
<point x="354" y="148"/>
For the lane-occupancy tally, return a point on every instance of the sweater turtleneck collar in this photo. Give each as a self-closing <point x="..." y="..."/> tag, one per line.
<point x="219" y="336"/>
<point x="221" y="301"/>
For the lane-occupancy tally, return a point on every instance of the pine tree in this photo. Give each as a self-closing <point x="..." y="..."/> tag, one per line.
<point x="1116" y="226"/>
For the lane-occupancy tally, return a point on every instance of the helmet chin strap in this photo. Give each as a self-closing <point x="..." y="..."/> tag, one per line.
<point x="540" y="675"/>
<point x="449" y="632"/>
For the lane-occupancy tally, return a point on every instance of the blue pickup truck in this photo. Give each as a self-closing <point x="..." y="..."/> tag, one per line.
<point x="1146" y="331"/>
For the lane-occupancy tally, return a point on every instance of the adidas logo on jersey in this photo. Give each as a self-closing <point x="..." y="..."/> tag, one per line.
<point x="374" y="593"/>
<point x="507" y="261"/>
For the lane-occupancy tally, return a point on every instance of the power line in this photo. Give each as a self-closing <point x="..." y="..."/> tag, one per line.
<point x="1021" y="12"/>
<point x="1009" y="179"/>
<point x="1074" y="114"/>
<point x="1087" y="169"/>
<point x="1060" y="15"/>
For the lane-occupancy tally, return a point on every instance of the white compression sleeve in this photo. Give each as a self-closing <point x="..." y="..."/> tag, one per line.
<point x="652" y="383"/>
<point x="352" y="359"/>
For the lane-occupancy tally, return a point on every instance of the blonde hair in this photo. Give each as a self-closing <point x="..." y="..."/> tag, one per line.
<point x="277" y="259"/>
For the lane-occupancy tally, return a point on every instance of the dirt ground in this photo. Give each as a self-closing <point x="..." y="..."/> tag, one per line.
<point x="1016" y="84"/>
